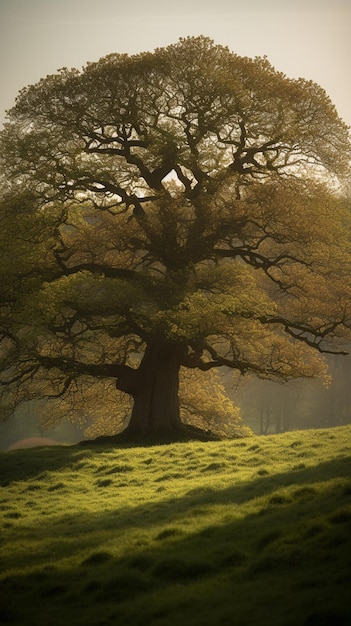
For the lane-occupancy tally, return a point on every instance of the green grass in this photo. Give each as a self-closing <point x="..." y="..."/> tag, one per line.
<point x="245" y="532"/>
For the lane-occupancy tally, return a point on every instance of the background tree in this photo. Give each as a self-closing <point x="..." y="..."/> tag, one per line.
<point x="271" y="407"/>
<point x="166" y="210"/>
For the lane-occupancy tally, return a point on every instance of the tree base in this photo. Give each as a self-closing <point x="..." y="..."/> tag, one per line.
<point x="183" y="433"/>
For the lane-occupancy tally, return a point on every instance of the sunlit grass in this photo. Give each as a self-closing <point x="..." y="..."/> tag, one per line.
<point x="250" y="531"/>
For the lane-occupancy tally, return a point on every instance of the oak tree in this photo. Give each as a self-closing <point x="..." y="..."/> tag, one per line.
<point x="168" y="210"/>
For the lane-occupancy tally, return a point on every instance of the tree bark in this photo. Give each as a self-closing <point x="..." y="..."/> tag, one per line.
<point x="154" y="387"/>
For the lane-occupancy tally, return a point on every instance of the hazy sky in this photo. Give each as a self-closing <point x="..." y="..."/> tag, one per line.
<point x="308" y="38"/>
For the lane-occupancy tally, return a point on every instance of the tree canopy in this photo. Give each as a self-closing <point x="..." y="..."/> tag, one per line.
<point x="174" y="209"/>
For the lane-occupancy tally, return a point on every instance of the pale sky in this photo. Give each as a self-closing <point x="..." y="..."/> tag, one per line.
<point x="307" y="38"/>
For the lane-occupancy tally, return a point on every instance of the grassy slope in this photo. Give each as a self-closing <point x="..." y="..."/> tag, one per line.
<point x="243" y="532"/>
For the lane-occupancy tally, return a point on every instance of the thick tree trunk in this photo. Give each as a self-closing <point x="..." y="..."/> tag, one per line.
<point x="155" y="386"/>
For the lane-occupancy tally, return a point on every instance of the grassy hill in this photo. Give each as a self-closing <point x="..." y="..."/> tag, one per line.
<point x="245" y="532"/>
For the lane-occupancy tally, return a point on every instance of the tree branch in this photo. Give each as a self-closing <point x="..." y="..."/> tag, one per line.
<point x="311" y="336"/>
<point x="76" y="368"/>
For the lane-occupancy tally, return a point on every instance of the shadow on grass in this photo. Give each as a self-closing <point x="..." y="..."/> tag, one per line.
<point x="200" y="500"/>
<point x="16" y="465"/>
<point x="287" y="564"/>
<point x="25" y="464"/>
<point x="21" y="465"/>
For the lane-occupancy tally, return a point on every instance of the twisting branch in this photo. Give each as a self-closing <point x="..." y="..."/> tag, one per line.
<point x="307" y="334"/>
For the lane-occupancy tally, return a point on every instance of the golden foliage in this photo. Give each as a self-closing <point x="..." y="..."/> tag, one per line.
<point x="187" y="197"/>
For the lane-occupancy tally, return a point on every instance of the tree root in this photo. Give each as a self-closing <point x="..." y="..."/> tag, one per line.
<point x="184" y="432"/>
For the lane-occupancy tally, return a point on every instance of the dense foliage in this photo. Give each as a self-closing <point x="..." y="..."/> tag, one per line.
<point x="173" y="209"/>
